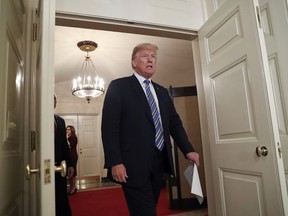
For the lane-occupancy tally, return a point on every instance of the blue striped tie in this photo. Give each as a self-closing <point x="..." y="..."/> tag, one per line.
<point x="159" y="138"/>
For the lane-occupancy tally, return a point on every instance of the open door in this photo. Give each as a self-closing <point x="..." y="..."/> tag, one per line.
<point x="26" y="110"/>
<point x="247" y="169"/>
<point x="275" y="27"/>
<point x="12" y="115"/>
<point x="40" y="166"/>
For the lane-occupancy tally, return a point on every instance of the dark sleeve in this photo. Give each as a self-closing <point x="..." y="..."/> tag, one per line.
<point x="73" y="141"/>
<point x="177" y="130"/>
<point x="110" y="126"/>
<point x="66" y="153"/>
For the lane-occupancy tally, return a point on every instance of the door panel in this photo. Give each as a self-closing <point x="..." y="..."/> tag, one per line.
<point x="89" y="146"/>
<point x="20" y="113"/>
<point x="12" y="114"/>
<point x="240" y="113"/>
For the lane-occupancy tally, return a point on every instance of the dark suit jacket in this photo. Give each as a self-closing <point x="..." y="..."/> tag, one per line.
<point x="128" y="131"/>
<point x="61" y="147"/>
<point x="61" y="151"/>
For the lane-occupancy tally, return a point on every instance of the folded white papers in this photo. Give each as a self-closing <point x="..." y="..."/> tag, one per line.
<point x="192" y="176"/>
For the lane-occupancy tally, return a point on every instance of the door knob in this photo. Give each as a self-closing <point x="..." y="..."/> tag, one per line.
<point x="29" y="172"/>
<point x="261" y="151"/>
<point x="62" y="168"/>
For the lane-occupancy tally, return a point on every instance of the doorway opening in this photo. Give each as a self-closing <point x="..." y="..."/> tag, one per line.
<point x="176" y="66"/>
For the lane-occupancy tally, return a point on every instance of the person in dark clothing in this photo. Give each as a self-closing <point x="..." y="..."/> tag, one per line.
<point x="61" y="152"/>
<point x="72" y="142"/>
<point x="138" y="119"/>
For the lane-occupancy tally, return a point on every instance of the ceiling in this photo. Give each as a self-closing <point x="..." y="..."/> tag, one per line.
<point x="112" y="58"/>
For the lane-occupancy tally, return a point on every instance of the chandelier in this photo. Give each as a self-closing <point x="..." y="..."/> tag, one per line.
<point x="88" y="85"/>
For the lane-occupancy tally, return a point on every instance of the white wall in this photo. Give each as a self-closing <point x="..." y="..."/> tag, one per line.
<point x="70" y="104"/>
<point x="170" y="13"/>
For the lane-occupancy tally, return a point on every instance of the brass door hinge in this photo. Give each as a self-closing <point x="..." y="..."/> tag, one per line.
<point x="279" y="150"/>
<point x="35" y="25"/>
<point x="35" y="31"/>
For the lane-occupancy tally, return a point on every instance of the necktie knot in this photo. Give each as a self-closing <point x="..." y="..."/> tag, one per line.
<point x="147" y="82"/>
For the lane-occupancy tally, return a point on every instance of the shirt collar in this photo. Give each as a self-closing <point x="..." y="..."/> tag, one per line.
<point x="140" y="78"/>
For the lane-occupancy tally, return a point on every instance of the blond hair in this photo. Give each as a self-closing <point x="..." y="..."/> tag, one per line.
<point x="143" y="46"/>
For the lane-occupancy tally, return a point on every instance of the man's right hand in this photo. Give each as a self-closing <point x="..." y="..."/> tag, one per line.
<point x="119" y="173"/>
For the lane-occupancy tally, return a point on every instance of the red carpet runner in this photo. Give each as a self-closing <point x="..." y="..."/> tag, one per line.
<point x="110" y="202"/>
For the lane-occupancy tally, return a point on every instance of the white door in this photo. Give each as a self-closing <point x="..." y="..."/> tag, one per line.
<point x="241" y="114"/>
<point x="20" y="140"/>
<point x="275" y="27"/>
<point x="12" y="115"/>
<point x="90" y="152"/>
<point x="89" y="146"/>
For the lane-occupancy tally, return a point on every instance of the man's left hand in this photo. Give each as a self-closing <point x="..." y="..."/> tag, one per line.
<point x="193" y="157"/>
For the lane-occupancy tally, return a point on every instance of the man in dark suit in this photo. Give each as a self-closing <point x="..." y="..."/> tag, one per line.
<point x="61" y="152"/>
<point x="136" y="141"/>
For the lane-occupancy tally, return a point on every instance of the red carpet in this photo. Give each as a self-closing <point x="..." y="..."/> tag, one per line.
<point x="111" y="202"/>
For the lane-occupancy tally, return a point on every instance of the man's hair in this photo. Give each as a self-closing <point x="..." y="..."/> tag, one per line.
<point x="143" y="46"/>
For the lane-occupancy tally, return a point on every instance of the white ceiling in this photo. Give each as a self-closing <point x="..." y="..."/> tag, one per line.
<point x="113" y="55"/>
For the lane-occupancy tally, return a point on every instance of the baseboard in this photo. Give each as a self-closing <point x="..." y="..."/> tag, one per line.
<point x="105" y="179"/>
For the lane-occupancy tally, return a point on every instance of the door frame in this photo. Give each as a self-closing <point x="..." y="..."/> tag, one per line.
<point x="200" y="83"/>
<point x="44" y="106"/>
<point x="72" y="20"/>
<point x="65" y="19"/>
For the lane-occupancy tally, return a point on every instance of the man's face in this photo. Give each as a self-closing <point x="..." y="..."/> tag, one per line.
<point x="145" y="62"/>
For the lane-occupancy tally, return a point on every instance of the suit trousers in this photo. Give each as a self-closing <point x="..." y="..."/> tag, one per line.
<point x="61" y="197"/>
<point x="142" y="201"/>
